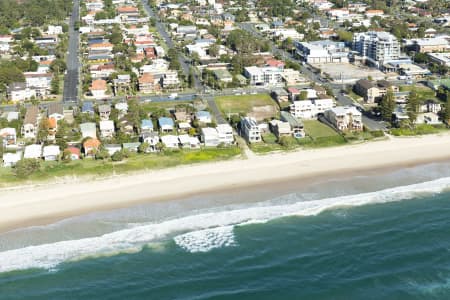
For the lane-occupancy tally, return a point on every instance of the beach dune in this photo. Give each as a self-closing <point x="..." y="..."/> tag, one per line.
<point x="40" y="204"/>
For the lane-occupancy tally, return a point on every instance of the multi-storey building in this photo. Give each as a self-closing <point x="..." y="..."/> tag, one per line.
<point x="377" y="47"/>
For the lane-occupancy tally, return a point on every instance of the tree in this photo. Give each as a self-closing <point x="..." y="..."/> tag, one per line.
<point x="54" y="85"/>
<point x="412" y="105"/>
<point x="66" y="155"/>
<point x="345" y="36"/>
<point x="214" y="50"/>
<point x="445" y="112"/>
<point x="102" y="154"/>
<point x="26" y="167"/>
<point x="42" y="134"/>
<point x="303" y="95"/>
<point x="387" y="105"/>
<point x="191" y="79"/>
<point x="58" y="66"/>
<point x="143" y="147"/>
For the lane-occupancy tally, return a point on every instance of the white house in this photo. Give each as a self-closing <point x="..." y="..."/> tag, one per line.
<point x="33" y="151"/>
<point x="54" y="30"/>
<point x="210" y="137"/>
<point x="152" y="139"/>
<point x="88" y="130"/>
<point x="51" y="152"/>
<point x="309" y="109"/>
<point x="263" y="76"/>
<point x="11" y="159"/>
<point x="107" y="129"/>
<point x="345" y="118"/>
<point x="170" y="141"/>
<point x="250" y="130"/>
<point x="203" y="116"/>
<point x="113" y="148"/>
<point x="9" y="136"/>
<point x="225" y="132"/>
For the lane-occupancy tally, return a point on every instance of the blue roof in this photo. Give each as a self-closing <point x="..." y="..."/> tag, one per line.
<point x="165" y="121"/>
<point x="203" y="113"/>
<point x="147" y="123"/>
<point x="87" y="107"/>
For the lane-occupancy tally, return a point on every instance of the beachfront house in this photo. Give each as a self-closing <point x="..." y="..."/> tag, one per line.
<point x="225" y="132"/>
<point x="345" y="118"/>
<point x="33" y="151"/>
<point x="51" y="152"/>
<point x="170" y="141"/>
<point x="210" y="137"/>
<point x="11" y="159"/>
<point x="280" y="128"/>
<point x="152" y="139"/>
<point x="250" y="130"/>
<point x="113" y="148"/>
<point x="90" y="147"/>
<point x="297" y="127"/>
<point x="75" y="153"/>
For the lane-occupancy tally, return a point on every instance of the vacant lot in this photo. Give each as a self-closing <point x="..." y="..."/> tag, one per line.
<point x="316" y="129"/>
<point x="424" y="93"/>
<point x="259" y="106"/>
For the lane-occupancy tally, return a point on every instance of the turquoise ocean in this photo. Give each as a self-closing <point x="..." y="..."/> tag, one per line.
<point x="378" y="235"/>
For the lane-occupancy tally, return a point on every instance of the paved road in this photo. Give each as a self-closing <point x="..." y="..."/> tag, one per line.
<point x="71" y="79"/>
<point x="169" y="42"/>
<point x="213" y="105"/>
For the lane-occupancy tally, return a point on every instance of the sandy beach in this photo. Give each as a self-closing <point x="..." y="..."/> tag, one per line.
<point x="32" y="205"/>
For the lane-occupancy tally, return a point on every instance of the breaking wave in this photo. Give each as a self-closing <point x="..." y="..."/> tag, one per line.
<point x="199" y="232"/>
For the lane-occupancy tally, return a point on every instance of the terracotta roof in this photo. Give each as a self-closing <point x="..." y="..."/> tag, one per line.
<point x="74" y="150"/>
<point x="274" y="62"/>
<point x="98" y="85"/>
<point x="146" y="78"/>
<point x="91" y="143"/>
<point x="52" y="122"/>
<point x="125" y="9"/>
<point x="101" y="45"/>
<point x="374" y="11"/>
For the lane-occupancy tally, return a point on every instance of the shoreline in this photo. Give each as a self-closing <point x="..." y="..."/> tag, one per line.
<point x="40" y="204"/>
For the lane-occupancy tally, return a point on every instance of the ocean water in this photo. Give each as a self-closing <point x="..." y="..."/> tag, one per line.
<point x="372" y="236"/>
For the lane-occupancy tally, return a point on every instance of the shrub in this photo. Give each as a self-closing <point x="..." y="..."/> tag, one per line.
<point x="117" y="156"/>
<point x="26" y="167"/>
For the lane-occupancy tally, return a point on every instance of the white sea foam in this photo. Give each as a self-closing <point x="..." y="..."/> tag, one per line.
<point x="206" y="227"/>
<point x="206" y="239"/>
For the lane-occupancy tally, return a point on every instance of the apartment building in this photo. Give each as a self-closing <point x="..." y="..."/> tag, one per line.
<point x="377" y="47"/>
<point x="345" y="118"/>
<point x="264" y="75"/>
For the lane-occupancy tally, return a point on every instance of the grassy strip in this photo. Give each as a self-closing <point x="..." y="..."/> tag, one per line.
<point x="418" y="130"/>
<point x="136" y="162"/>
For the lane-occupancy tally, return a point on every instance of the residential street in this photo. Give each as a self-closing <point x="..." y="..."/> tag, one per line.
<point x="71" y="79"/>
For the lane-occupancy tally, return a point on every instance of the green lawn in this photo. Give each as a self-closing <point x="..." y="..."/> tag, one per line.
<point x="244" y="103"/>
<point x="316" y="129"/>
<point x="418" y="130"/>
<point x="424" y="93"/>
<point x="137" y="162"/>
